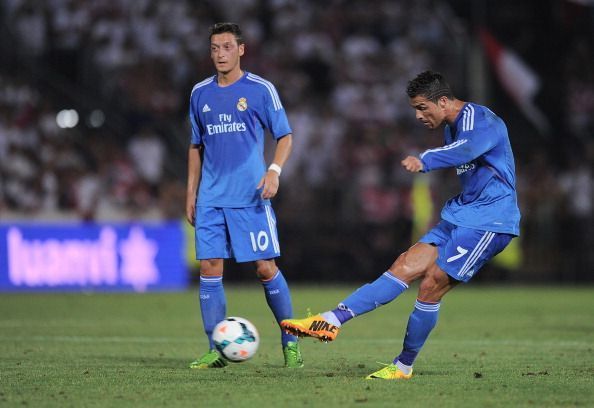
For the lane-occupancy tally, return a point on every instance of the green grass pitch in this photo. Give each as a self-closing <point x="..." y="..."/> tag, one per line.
<point x="494" y="346"/>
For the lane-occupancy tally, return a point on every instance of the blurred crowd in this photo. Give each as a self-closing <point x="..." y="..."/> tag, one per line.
<point x="345" y="207"/>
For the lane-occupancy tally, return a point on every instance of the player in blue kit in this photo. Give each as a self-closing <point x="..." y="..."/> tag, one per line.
<point x="231" y="209"/>
<point x="476" y="224"/>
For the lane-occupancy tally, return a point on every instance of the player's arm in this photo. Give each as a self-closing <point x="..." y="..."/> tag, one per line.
<point x="412" y="164"/>
<point x="194" y="160"/>
<point x="464" y="150"/>
<point x="194" y="172"/>
<point x="270" y="181"/>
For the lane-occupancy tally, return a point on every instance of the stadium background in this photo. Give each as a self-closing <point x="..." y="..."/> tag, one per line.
<point x="345" y="208"/>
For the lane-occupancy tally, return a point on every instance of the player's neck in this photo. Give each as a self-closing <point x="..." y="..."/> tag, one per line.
<point x="453" y="110"/>
<point x="229" y="78"/>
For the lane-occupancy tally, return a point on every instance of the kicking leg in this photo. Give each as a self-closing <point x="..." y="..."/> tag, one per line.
<point x="409" y="267"/>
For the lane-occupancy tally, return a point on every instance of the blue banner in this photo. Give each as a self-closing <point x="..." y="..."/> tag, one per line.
<point x="103" y="257"/>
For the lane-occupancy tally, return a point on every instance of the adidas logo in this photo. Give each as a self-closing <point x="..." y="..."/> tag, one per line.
<point x="205" y="108"/>
<point x="320" y="325"/>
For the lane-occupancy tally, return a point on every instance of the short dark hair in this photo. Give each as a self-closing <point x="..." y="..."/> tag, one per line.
<point x="432" y="85"/>
<point x="232" y="28"/>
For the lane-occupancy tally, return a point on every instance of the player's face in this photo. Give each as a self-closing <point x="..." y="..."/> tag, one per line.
<point x="431" y="114"/>
<point x="225" y="52"/>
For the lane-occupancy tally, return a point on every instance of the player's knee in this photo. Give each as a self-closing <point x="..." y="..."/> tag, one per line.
<point x="403" y="269"/>
<point x="211" y="267"/>
<point x="266" y="269"/>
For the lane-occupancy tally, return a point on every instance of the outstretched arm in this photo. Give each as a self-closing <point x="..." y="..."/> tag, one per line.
<point x="270" y="181"/>
<point x="459" y="152"/>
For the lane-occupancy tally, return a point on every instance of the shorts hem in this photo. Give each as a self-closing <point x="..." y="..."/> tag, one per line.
<point x="202" y="258"/>
<point x="256" y="258"/>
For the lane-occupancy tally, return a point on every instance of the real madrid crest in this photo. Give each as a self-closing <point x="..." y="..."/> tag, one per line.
<point x="242" y="104"/>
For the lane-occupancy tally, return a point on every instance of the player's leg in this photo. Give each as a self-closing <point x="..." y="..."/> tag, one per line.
<point x="254" y="238"/>
<point x="278" y="297"/>
<point x="458" y="260"/>
<point x="213" y="303"/>
<point x="213" y="308"/>
<point x="410" y="266"/>
<point x="277" y="293"/>
<point x="433" y="287"/>
<point x="211" y="247"/>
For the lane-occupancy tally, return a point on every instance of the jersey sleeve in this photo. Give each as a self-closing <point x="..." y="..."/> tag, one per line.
<point x="470" y="145"/>
<point x="276" y="117"/>
<point x="197" y="130"/>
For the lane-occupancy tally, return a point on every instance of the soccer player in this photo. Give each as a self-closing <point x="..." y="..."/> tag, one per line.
<point x="231" y="210"/>
<point x="475" y="225"/>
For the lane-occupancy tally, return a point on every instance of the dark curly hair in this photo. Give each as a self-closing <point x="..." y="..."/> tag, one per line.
<point x="432" y="85"/>
<point x="232" y="28"/>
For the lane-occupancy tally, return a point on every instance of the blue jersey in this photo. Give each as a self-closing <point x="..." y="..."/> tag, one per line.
<point x="229" y="122"/>
<point x="478" y="146"/>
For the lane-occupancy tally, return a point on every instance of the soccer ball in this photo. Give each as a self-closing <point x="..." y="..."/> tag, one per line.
<point x="236" y="339"/>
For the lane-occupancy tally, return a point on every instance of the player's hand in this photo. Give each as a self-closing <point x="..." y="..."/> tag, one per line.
<point x="269" y="184"/>
<point x="191" y="209"/>
<point x="412" y="164"/>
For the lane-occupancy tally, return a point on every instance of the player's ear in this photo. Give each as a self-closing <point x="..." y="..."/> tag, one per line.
<point x="241" y="49"/>
<point x="442" y="102"/>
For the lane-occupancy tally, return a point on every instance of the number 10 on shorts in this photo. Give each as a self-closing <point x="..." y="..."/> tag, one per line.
<point x="260" y="241"/>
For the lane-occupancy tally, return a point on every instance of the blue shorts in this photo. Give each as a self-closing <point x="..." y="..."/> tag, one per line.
<point x="463" y="251"/>
<point x="246" y="234"/>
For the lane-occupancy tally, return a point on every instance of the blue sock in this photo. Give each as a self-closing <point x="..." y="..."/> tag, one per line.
<point x="213" y="304"/>
<point x="278" y="298"/>
<point x="420" y="323"/>
<point x="370" y="296"/>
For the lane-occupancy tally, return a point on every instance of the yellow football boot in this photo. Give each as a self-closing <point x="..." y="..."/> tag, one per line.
<point x="389" y="372"/>
<point x="313" y="326"/>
